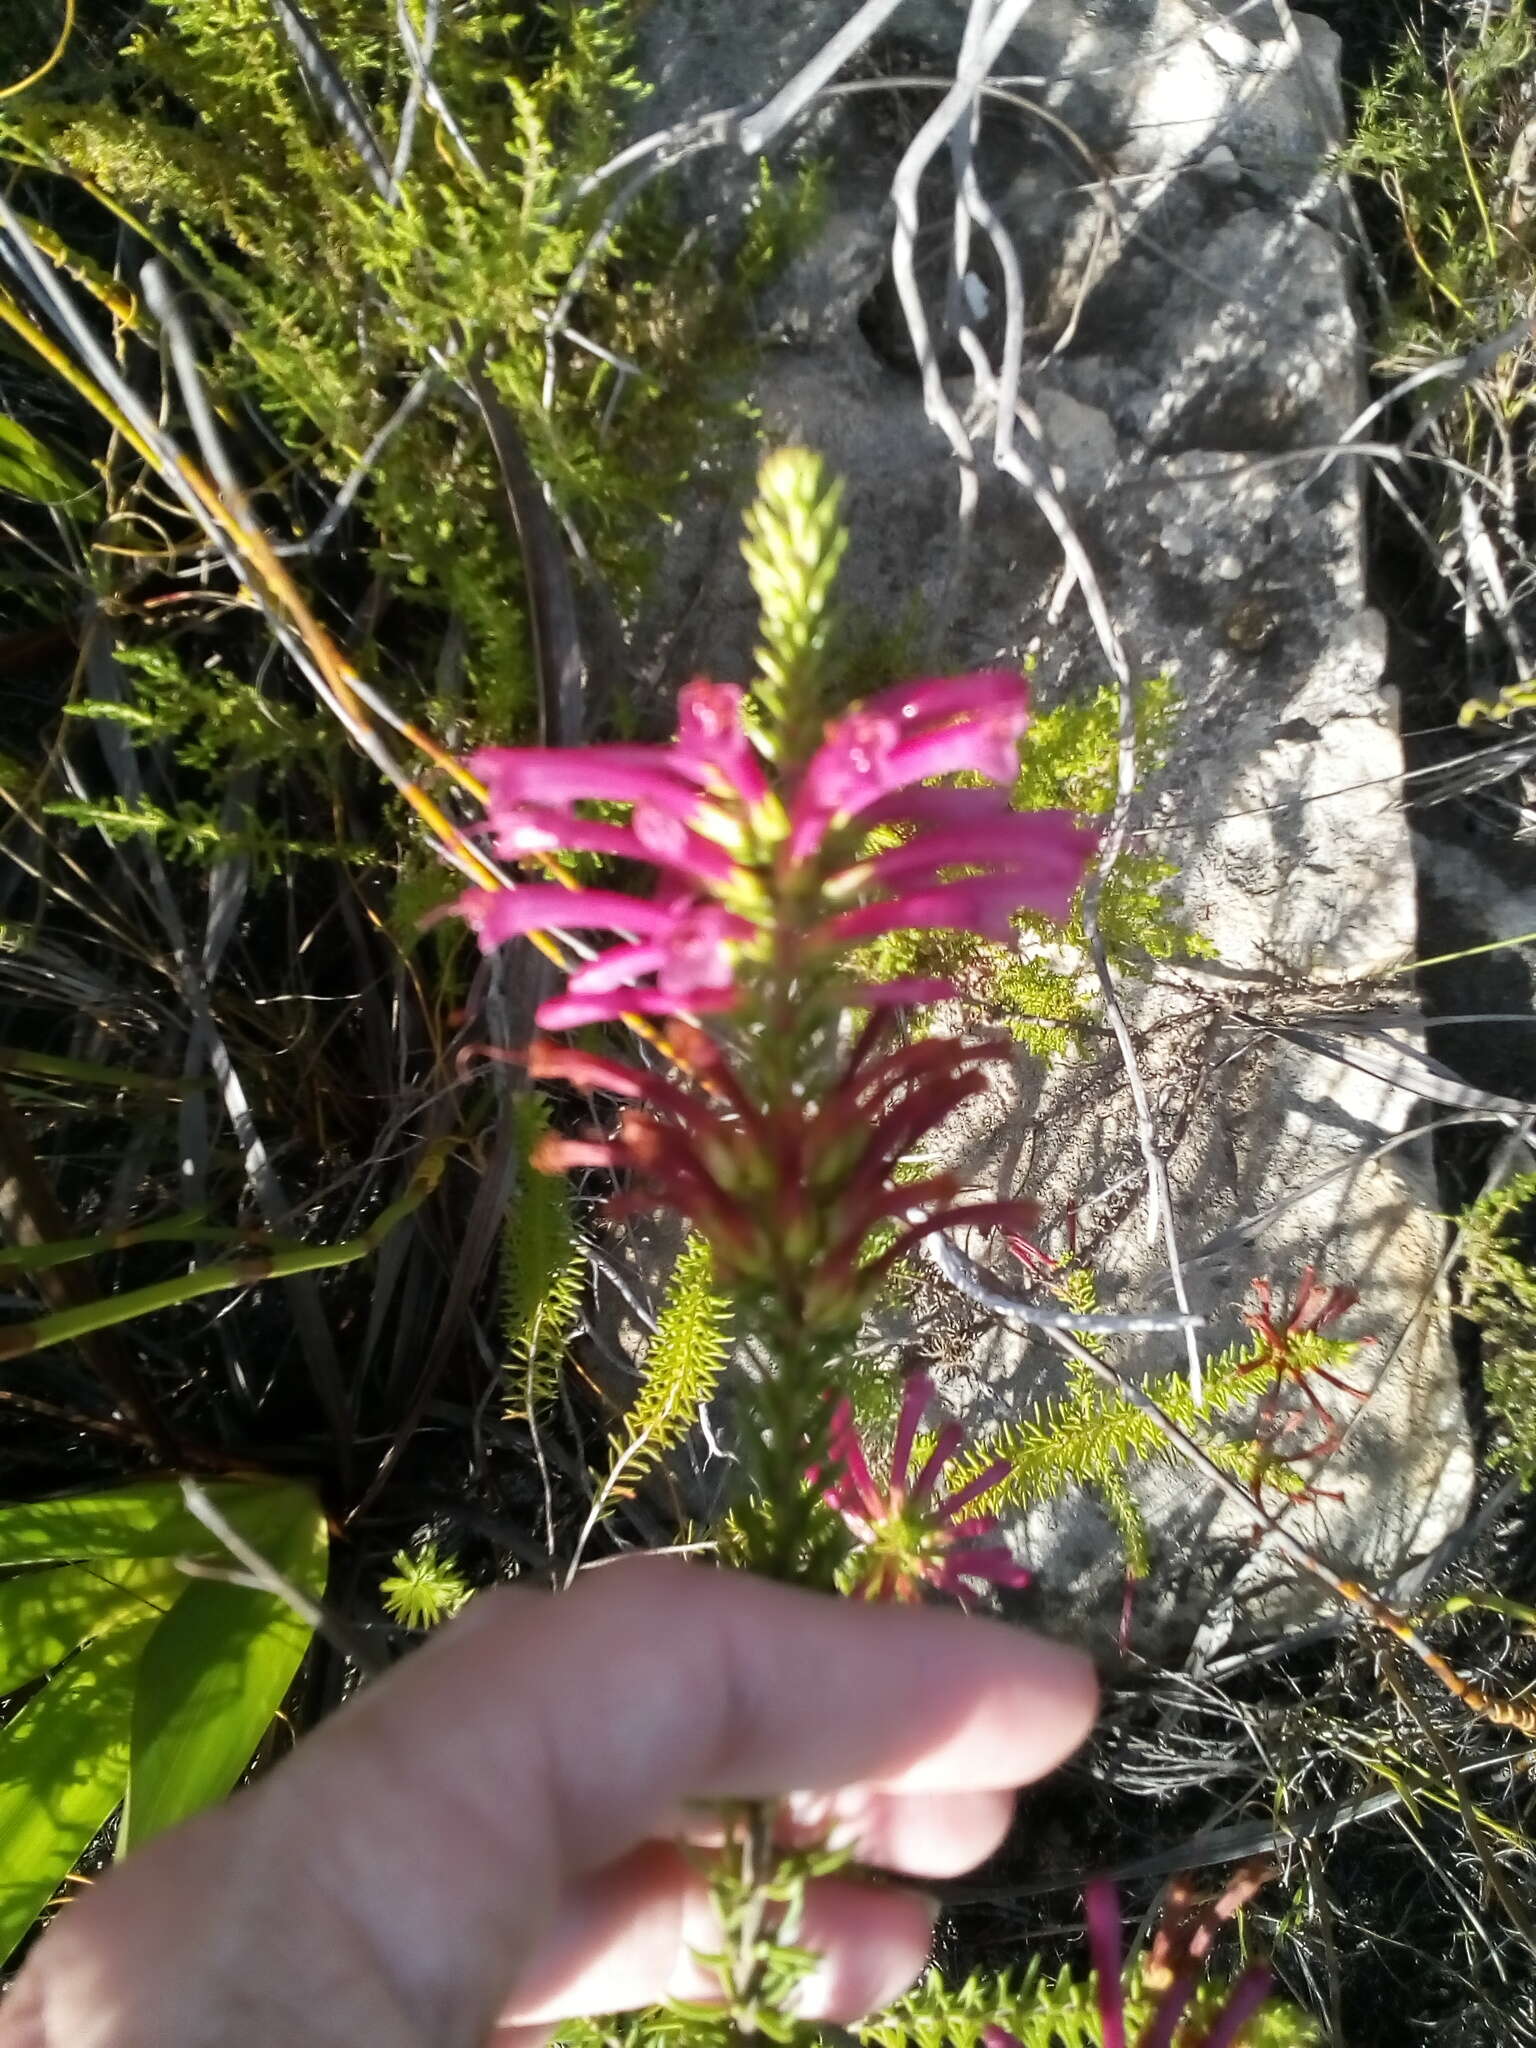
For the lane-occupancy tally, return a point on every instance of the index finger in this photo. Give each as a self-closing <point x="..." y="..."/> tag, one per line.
<point x="653" y="1682"/>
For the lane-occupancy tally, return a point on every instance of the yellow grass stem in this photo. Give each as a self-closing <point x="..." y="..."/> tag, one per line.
<point x="66" y="31"/>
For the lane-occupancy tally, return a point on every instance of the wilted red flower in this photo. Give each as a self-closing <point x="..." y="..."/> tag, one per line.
<point x="1316" y="1306"/>
<point x="1278" y="1330"/>
<point x="909" y="1534"/>
<point x="786" y="1197"/>
<point x="741" y="861"/>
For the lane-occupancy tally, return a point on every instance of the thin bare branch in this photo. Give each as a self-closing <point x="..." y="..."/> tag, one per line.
<point x="333" y="91"/>
<point x="759" y="129"/>
<point x="264" y="1574"/>
<point x="965" y="1275"/>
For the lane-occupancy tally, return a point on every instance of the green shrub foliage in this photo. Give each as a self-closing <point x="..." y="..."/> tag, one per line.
<point x="1498" y="1294"/>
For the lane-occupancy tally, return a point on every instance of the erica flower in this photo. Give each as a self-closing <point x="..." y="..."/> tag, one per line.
<point x="909" y="1534"/>
<point x="743" y="860"/>
<point x="788" y="1196"/>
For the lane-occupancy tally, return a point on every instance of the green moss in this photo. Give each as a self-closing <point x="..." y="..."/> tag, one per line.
<point x="1498" y="1294"/>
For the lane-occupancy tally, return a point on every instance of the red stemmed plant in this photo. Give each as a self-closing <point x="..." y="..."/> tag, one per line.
<point x="1291" y="1347"/>
<point x="1175" y="1961"/>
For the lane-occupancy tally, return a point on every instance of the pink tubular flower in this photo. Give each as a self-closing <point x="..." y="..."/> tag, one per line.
<point x="985" y="904"/>
<point x="742" y="862"/>
<point x="906" y="735"/>
<point x="910" y="1535"/>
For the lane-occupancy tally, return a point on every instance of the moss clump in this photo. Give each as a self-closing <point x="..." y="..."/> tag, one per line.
<point x="1498" y="1294"/>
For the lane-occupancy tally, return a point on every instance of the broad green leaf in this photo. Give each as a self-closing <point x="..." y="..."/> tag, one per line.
<point x="63" y="1766"/>
<point x="32" y="470"/>
<point x="212" y="1678"/>
<point x="46" y="1614"/>
<point x="150" y="1520"/>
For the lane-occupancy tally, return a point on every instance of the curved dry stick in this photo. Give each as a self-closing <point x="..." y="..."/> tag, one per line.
<point x="759" y="129"/>
<point x="334" y="92"/>
<point x="1033" y="477"/>
<point x="968" y="1277"/>
<point x="61" y="44"/>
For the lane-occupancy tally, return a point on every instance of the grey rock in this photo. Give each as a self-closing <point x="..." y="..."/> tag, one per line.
<point x="815" y="300"/>
<point x="1080" y="440"/>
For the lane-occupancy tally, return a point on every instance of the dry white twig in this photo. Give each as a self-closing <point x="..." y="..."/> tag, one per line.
<point x="265" y="1577"/>
<point x="760" y="129"/>
<point x="424" y="87"/>
<point x="964" y="1274"/>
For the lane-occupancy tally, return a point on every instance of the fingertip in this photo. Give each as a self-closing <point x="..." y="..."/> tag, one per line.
<point x="874" y="1941"/>
<point x="1063" y="1679"/>
<point x="1025" y="1703"/>
<point x="932" y="1834"/>
<point x="1054" y="1702"/>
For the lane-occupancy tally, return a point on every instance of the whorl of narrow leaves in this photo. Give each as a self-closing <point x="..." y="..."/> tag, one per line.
<point x="425" y="1588"/>
<point x="685" y="1360"/>
<point x="795" y="542"/>
<point x="543" y="1271"/>
<point x="1120" y="1504"/>
<point x="1059" y="2012"/>
<point x="1090" y="1437"/>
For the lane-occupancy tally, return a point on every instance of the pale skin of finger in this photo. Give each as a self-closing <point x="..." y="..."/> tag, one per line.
<point x="397" y="1878"/>
<point x="630" y="1935"/>
<point x="634" y="1935"/>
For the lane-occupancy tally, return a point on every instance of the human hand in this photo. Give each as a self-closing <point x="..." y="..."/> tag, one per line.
<point x="485" y="1841"/>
